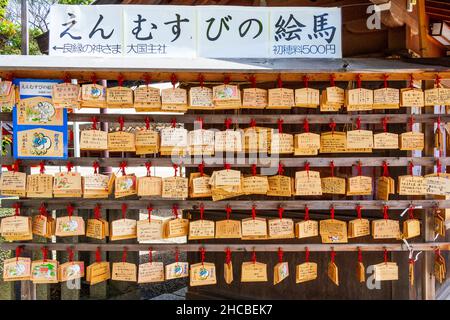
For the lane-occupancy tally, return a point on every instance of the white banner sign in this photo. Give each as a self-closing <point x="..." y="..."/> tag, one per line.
<point x="195" y="31"/>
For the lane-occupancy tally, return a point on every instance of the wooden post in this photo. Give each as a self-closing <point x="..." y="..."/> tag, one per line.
<point x="428" y="280"/>
<point x="24" y="27"/>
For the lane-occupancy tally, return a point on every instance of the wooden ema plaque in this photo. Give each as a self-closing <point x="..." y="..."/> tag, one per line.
<point x="256" y="139"/>
<point x="385" y="140"/>
<point x="279" y="186"/>
<point x="13" y="184"/>
<point x="386" y="271"/>
<point x="146" y="142"/>
<point x="65" y="95"/>
<point x="93" y="96"/>
<point x="307" y="183"/>
<point x="385" y="187"/>
<point x="201" y="229"/>
<point x="16" y="228"/>
<point x="359" y="185"/>
<point x="119" y="97"/>
<point x="149" y="186"/>
<point x="148" y="230"/>
<point x="332" y="99"/>
<point x="410" y="141"/>
<point x="333" y="185"/>
<point x="201" y="142"/>
<point x="7" y="94"/>
<point x="228" y="141"/>
<point x="359" y="139"/>
<point x="67" y="185"/>
<point x="175" y="187"/>
<point x="38" y="111"/>
<point x="254" y="98"/>
<point x="97" y="229"/>
<point x="70" y="271"/>
<point x="199" y="186"/>
<point x="43" y="226"/>
<point x="177" y="270"/>
<point x="151" y="272"/>
<point x="121" y="141"/>
<point x="280" y="272"/>
<point x="333" y="273"/>
<point x="173" y="141"/>
<point x="281" y="143"/>
<point x="306" y="144"/>
<point x="253" y="272"/>
<point x="411" y="228"/>
<point x="228" y="272"/>
<point x="385" y="229"/>
<point x="95" y="140"/>
<point x="333" y="231"/>
<point x="409" y="185"/>
<point x="255" y="185"/>
<point x="306" y="271"/>
<point x="440" y="269"/>
<point x="44" y="271"/>
<point x="177" y="227"/>
<point x="202" y="274"/>
<point x="124" y="271"/>
<point x="147" y="99"/>
<point x="386" y="98"/>
<point x="125" y="186"/>
<point x="359" y="99"/>
<point x="201" y="98"/>
<point x="333" y="142"/>
<point x="281" y="228"/>
<point x="358" y="228"/>
<point x="254" y="228"/>
<point x="228" y="229"/>
<point x="122" y="229"/>
<point x="39" y="186"/>
<point x="280" y="98"/>
<point x="437" y="97"/>
<point x="307" y="98"/>
<point x="16" y="269"/>
<point x="437" y="184"/>
<point x="96" y="186"/>
<point x="98" y="272"/>
<point x="226" y="96"/>
<point x="69" y="226"/>
<point x="174" y="100"/>
<point x="306" y="229"/>
<point x="411" y="97"/>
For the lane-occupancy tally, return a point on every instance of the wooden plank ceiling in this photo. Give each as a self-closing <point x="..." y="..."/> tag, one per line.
<point x="438" y="10"/>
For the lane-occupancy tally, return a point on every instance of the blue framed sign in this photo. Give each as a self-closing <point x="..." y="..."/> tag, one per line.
<point x="39" y="129"/>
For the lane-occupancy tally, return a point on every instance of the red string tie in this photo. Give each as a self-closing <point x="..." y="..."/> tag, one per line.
<point x="16" y="207"/>
<point x="359" y="168"/>
<point x="148" y="166"/>
<point x="280" y="168"/>
<point x="124" y="254"/>
<point x="280" y="212"/>
<point x="280" y="255"/>
<point x="252" y="80"/>
<point x="384" y="123"/>
<point x="306" y="125"/>
<point x="202" y="211"/>
<point x="202" y="255"/>
<point x="332" y="167"/>
<point x="95" y="165"/>
<point x="124" y="210"/>
<point x="173" y="80"/>
<point x="332" y="126"/>
<point x="175" y="169"/>
<point x="438" y="166"/>
<point x="94" y="121"/>
<point x="228" y="123"/>
<point x="358" y="123"/>
<point x="226" y="80"/>
<point x="70" y="254"/>
<point x="385" y="212"/>
<point x="70" y="210"/>
<point x="385" y="80"/>
<point x="306" y="254"/>
<point x="253" y="167"/>
<point x="360" y="255"/>
<point x="147" y="123"/>
<point x="279" y="81"/>
<point x="19" y="250"/>
<point x="306" y="213"/>
<point x="332" y="80"/>
<point x="385" y="169"/>
<point x="253" y="212"/>
<point x="44" y="253"/>
<point x="69" y="166"/>
<point x="410" y="167"/>
<point x="123" y="165"/>
<point x="149" y="212"/>
<point x="174" y="123"/>
<point x="43" y="210"/>
<point x="97" y="213"/>
<point x="358" y="80"/>
<point x="332" y="212"/>
<point x="227" y="166"/>
<point x="98" y="257"/>
<point x="280" y="125"/>
<point x="227" y="256"/>
<point x="120" y="80"/>
<point x="150" y="255"/>
<point x="252" y="123"/>
<point x="42" y="167"/>
<point x="175" y="211"/>
<point x="177" y="255"/>
<point x="121" y="123"/>
<point x="228" y="211"/>
<point x="411" y="212"/>
<point x="254" y="256"/>
<point x="358" y="211"/>
<point x="201" y="168"/>
<point x="385" y="256"/>
<point x="201" y="80"/>
<point x="200" y="122"/>
<point x="305" y="81"/>
<point x="333" y="255"/>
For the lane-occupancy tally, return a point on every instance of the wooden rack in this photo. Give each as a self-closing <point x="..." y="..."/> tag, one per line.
<point x="287" y="247"/>
<point x="265" y="205"/>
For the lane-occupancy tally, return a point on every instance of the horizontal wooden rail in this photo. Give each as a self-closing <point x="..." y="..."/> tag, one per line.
<point x="248" y="247"/>
<point x="54" y="204"/>
<point x="239" y="161"/>
<point x="188" y="69"/>
<point x="245" y="119"/>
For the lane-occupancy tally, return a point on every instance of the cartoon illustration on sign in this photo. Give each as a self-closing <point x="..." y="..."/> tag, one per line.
<point x="41" y="144"/>
<point x="44" y="270"/>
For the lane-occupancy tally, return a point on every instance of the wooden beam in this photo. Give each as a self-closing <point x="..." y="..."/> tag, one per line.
<point x="260" y="119"/>
<point x="244" y="247"/>
<point x="242" y="162"/>
<point x="262" y="205"/>
<point x="423" y="28"/>
<point x="161" y="69"/>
